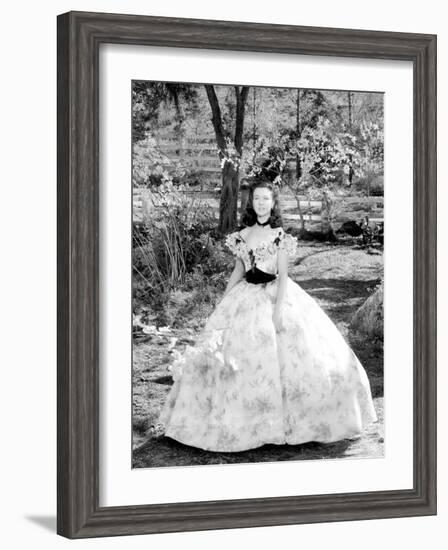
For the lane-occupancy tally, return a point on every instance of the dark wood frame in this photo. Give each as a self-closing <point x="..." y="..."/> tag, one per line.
<point x="79" y="37"/>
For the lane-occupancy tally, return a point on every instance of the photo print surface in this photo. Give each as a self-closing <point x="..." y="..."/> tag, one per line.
<point x="257" y="248"/>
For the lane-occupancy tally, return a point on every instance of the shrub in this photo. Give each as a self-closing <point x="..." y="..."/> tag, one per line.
<point x="369" y="318"/>
<point x="169" y="244"/>
<point x="176" y="251"/>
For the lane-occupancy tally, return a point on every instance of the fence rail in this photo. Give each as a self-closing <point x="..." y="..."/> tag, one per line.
<point x="144" y="206"/>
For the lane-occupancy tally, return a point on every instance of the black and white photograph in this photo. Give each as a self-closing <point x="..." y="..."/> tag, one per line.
<point x="257" y="250"/>
<point x="223" y="247"/>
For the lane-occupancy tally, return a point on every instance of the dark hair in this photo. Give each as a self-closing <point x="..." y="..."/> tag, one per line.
<point x="250" y="217"/>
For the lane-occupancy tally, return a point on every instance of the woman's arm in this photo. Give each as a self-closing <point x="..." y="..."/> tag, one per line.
<point x="237" y="275"/>
<point x="282" y="267"/>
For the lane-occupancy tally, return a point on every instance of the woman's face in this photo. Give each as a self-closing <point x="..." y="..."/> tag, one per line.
<point x="262" y="201"/>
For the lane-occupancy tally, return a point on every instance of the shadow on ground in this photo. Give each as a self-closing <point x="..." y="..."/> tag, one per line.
<point x="161" y="451"/>
<point x="338" y="297"/>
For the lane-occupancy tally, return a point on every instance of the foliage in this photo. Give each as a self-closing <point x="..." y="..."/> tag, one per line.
<point x="229" y="154"/>
<point x="148" y="98"/>
<point x="326" y="157"/>
<point x="371" y="160"/>
<point x="272" y="115"/>
<point x="175" y="248"/>
<point x="151" y="167"/>
<point x="322" y="144"/>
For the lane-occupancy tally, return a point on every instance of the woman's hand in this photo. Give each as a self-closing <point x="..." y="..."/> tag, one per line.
<point x="277" y="319"/>
<point x="282" y="278"/>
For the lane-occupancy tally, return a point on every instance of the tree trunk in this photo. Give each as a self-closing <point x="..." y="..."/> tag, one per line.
<point x="216" y="119"/>
<point x="299" y="208"/>
<point x="295" y="192"/>
<point x="254" y="118"/>
<point x="244" y="198"/>
<point x="241" y="98"/>
<point x="350" y="121"/>
<point x="228" y="203"/>
<point x="298" y="131"/>
<point x="325" y="213"/>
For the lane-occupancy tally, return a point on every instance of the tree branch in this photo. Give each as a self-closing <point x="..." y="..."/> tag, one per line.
<point x="216" y="118"/>
<point x="241" y="98"/>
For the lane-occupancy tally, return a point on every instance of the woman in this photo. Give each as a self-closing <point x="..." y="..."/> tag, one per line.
<point x="270" y="366"/>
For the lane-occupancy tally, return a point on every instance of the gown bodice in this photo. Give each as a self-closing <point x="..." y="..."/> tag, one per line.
<point x="262" y="257"/>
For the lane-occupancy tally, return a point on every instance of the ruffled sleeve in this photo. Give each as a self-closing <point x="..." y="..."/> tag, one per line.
<point x="287" y="242"/>
<point x="234" y="243"/>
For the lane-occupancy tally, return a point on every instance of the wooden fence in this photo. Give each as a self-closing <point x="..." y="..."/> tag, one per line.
<point x="200" y="154"/>
<point x="348" y="208"/>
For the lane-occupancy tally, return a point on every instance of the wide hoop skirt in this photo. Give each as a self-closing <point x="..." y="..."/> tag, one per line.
<point x="244" y="385"/>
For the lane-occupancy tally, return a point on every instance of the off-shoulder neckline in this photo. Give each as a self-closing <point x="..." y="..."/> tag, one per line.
<point x="265" y="241"/>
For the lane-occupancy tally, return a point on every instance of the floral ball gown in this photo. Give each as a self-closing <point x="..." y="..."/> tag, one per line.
<point x="244" y="384"/>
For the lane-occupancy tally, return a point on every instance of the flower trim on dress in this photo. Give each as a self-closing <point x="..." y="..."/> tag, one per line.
<point x="237" y="245"/>
<point x="264" y="249"/>
<point x="209" y="354"/>
<point x="235" y="242"/>
<point x="288" y="243"/>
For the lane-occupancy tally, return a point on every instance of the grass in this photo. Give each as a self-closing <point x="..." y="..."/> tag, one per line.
<point x="340" y="278"/>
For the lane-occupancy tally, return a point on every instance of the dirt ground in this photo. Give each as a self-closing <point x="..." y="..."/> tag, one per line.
<point x="340" y="278"/>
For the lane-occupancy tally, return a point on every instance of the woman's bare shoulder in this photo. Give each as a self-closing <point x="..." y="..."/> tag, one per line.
<point x="245" y="232"/>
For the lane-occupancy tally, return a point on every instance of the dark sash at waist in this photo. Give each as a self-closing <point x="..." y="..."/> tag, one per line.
<point x="257" y="277"/>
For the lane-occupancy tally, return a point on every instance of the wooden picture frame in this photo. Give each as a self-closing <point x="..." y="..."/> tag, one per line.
<point x="79" y="37"/>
